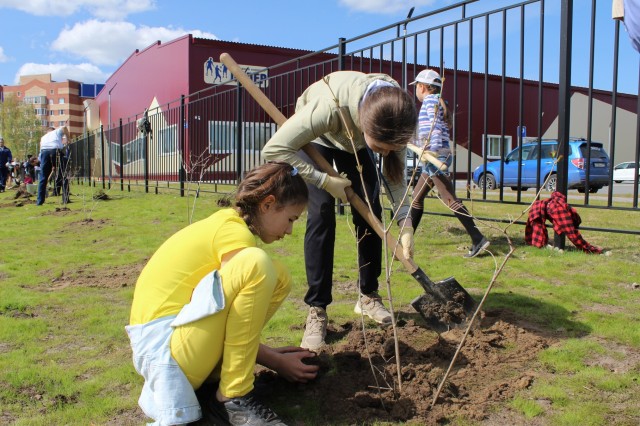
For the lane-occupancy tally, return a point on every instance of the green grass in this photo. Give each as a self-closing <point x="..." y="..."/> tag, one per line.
<point x="65" y="358"/>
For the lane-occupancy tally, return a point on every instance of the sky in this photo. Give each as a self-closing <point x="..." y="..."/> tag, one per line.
<point x="87" y="40"/>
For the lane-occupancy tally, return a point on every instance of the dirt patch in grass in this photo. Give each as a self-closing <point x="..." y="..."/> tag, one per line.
<point x="90" y="223"/>
<point x="358" y="380"/>
<point x="87" y="276"/>
<point x="17" y="203"/>
<point x="617" y="358"/>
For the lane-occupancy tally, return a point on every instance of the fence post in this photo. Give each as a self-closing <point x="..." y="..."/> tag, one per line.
<point x="564" y="103"/>
<point x="87" y="157"/>
<point x="146" y="161"/>
<point x="342" y="51"/>
<point x="182" y="174"/>
<point x="239" y="150"/>
<point x="121" y="158"/>
<point x="102" y="153"/>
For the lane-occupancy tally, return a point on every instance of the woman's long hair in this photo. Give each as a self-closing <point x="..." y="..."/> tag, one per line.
<point x="388" y="114"/>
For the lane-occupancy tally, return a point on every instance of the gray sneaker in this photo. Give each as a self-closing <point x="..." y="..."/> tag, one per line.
<point x="476" y="249"/>
<point x="315" y="329"/>
<point x="241" y="411"/>
<point x="371" y="305"/>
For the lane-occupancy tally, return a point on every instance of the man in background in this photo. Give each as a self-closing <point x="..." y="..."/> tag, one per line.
<point x="5" y="158"/>
<point x="51" y="155"/>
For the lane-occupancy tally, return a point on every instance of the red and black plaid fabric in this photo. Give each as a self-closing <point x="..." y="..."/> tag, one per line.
<point x="564" y="218"/>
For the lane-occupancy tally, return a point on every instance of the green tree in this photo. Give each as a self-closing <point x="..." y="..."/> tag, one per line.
<point x="20" y="127"/>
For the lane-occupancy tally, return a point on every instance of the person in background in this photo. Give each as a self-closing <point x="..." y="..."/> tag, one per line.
<point x="628" y="11"/>
<point x="15" y="173"/>
<point x="433" y="136"/>
<point x="381" y="118"/>
<point x="51" y="153"/>
<point x="202" y="300"/>
<point x="29" y="170"/>
<point x="5" y="159"/>
<point x="62" y="172"/>
<point x="37" y="168"/>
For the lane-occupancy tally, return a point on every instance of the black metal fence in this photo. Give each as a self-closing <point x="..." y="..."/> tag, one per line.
<point x="538" y="65"/>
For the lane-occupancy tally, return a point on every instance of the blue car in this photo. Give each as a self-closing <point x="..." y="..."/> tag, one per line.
<point x="492" y="178"/>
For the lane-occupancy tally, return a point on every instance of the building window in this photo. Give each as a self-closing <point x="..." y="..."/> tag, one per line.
<point x="60" y="123"/>
<point x="222" y="136"/>
<point x="35" y="100"/>
<point x="166" y="139"/>
<point x="51" y="112"/>
<point x="51" y="92"/>
<point x="61" y="100"/>
<point x="491" y="149"/>
<point x="40" y="111"/>
<point x="50" y="101"/>
<point x="61" y="112"/>
<point x="133" y="151"/>
<point x="45" y="123"/>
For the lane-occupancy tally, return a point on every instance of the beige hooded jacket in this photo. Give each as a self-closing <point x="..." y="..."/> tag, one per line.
<point x="317" y="115"/>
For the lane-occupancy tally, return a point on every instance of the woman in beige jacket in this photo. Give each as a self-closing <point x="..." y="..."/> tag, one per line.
<point x="377" y="115"/>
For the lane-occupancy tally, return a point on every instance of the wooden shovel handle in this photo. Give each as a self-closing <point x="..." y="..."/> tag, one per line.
<point x="428" y="156"/>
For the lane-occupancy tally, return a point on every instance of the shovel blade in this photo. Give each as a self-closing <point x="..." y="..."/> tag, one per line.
<point x="445" y="305"/>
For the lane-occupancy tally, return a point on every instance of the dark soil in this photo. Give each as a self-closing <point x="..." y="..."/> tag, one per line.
<point x="358" y="381"/>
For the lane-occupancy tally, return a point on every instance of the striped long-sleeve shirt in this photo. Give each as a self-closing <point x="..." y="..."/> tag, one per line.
<point x="440" y="135"/>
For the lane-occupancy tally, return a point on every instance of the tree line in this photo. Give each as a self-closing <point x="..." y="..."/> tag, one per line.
<point x="20" y="127"/>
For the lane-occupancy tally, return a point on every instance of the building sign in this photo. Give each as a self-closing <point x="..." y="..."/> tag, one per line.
<point x="522" y="131"/>
<point x="217" y="73"/>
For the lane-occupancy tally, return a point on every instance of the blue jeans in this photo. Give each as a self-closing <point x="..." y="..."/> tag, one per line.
<point x="48" y="159"/>
<point x="432" y="170"/>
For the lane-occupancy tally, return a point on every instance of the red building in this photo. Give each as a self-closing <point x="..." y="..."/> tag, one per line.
<point x="194" y="107"/>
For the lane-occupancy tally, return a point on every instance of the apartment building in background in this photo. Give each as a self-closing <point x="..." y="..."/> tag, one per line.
<point x="54" y="102"/>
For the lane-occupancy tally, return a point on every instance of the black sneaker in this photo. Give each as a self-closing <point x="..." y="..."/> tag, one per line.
<point x="477" y="248"/>
<point x="245" y="411"/>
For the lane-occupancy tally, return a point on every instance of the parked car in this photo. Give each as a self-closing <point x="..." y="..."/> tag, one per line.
<point x="598" y="176"/>
<point x="625" y="171"/>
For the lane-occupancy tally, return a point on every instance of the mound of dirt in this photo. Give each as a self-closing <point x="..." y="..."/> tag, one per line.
<point x="358" y="381"/>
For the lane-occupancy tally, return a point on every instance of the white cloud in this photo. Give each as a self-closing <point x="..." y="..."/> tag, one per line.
<point x="85" y="73"/>
<point x="109" y="43"/>
<point x="103" y="9"/>
<point x="3" y="57"/>
<point x="384" y="6"/>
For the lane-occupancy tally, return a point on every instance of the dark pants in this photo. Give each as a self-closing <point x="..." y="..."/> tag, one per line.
<point x="319" y="239"/>
<point x="4" y="173"/>
<point x="61" y="186"/>
<point x="50" y="158"/>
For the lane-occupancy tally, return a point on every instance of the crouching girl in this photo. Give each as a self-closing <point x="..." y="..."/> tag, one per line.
<point x="203" y="298"/>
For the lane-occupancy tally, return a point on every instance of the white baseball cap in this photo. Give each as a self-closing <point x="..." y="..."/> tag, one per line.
<point x="429" y="77"/>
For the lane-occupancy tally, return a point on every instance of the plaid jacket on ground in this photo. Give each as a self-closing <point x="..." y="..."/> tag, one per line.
<point x="564" y="218"/>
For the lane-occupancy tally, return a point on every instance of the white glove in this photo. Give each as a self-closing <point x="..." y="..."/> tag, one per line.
<point x="406" y="239"/>
<point x="336" y="185"/>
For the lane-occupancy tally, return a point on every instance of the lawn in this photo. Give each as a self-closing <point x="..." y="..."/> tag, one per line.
<point x="68" y="274"/>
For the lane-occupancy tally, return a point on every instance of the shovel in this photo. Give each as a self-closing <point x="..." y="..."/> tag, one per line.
<point x="445" y="304"/>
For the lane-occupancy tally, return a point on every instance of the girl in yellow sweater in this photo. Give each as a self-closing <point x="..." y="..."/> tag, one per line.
<point x="203" y="298"/>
